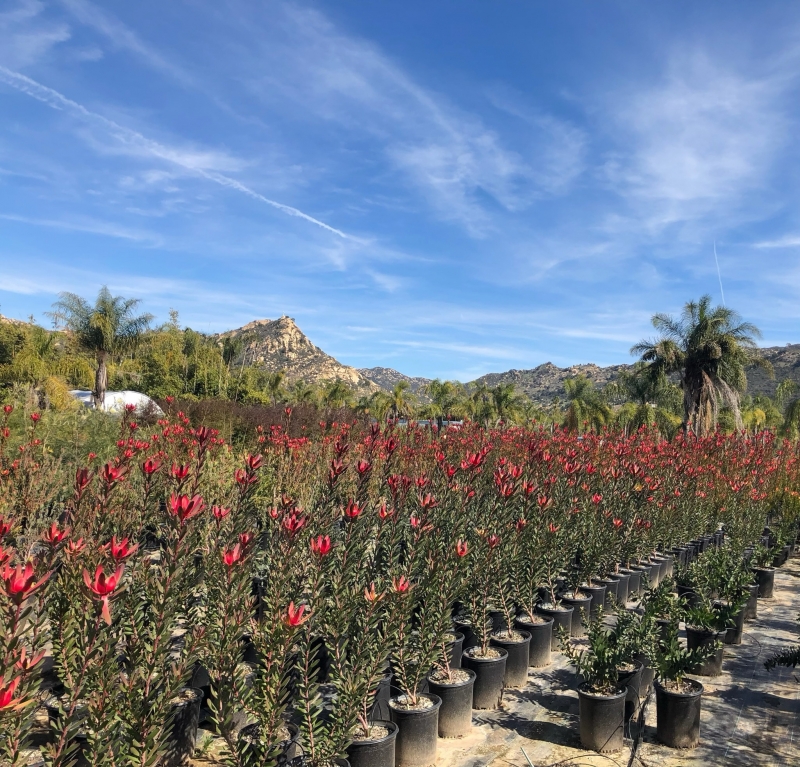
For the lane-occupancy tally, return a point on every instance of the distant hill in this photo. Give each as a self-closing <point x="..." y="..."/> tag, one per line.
<point x="387" y="378"/>
<point x="275" y="345"/>
<point x="546" y="382"/>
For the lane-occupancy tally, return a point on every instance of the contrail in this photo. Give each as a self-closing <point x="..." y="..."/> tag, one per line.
<point x="719" y="274"/>
<point x="129" y="137"/>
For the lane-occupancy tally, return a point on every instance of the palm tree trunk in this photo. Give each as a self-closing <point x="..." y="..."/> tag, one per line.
<point x="100" y="381"/>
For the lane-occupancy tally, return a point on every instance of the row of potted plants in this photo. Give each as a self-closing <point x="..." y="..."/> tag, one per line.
<point x="314" y="600"/>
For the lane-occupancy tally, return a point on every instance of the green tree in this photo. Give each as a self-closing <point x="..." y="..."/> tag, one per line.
<point x="710" y="348"/>
<point x="584" y="405"/>
<point x="401" y="400"/>
<point x="647" y="400"/>
<point x="108" y="328"/>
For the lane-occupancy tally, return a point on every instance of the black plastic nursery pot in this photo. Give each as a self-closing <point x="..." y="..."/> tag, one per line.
<point x="734" y="633"/>
<point x="455" y="713"/>
<point x="602" y="720"/>
<point x="678" y="715"/>
<point x="598" y="595"/>
<point x="518" y="648"/>
<point x="465" y="628"/>
<point x="612" y="586"/>
<point x="578" y="602"/>
<point x="692" y="598"/>
<point x="696" y="637"/>
<point x="765" y="578"/>
<point x="751" y="608"/>
<point x="666" y="566"/>
<point x="418" y="730"/>
<point x="648" y="676"/>
<point x="622" y="589"/>
<point x="663" y="628"/>
<point x="541" y="639"/>
<point x="289" y="748"/>
<point x="183" y="728"/>
<point x="634" y="582"/>
<point x="632" y="682"/>
<point x="456" y="649"/>
<point x="645" y="576"/>
<point x="383" y="694"/>
<point x="374" y="752"/>
<point x="561" y="615"/>
<point x="487" y="691"/>
<point x="655" y="571"/>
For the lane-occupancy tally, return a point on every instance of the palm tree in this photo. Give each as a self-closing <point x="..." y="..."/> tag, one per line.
<point x="108" y="328"/>
<point x="506" y="402"/>
<point x="447" y="399"/>
<point x="274" y="386"/>
<point x="337" y="394"/>
<point x="585" y="405"/>
<point x="647" y="400"/>
<point x="401" y="400"/>
<point x="481" y="403"/>
<point x="710" y="348"/>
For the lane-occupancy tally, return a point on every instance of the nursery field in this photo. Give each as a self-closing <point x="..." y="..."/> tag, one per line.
<point x="387" y="595"/>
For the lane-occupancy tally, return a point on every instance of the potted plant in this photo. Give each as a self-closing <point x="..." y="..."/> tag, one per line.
<point x="554" y="557"/>
<point x="677" y="697"/>
<point x="706" y="625"/>
<point x="764" y="571"/>
<point x="526" y="574"/>
<point x="488" y="662"/>
<point x="601" y="698"/>
<point x="451" y="683"/>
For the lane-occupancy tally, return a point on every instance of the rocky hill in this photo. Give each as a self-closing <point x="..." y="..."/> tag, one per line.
<point x="387" y="378"/>
<point x="546" y="382"/>
<point x="275" y="345"/>
<point x="785" y="361"/>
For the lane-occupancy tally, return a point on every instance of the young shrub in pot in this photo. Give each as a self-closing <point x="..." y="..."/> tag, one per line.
<point x="678" y="698"/>
<point x="601" y="699"/>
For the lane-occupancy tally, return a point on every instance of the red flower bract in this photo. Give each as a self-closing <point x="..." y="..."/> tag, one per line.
<point x="120" y="550"/>
<point x="185" y="508"/>
<point x="111" y="473"/>
<point x="53" y="535"/>
<point x="294" y="615"/>
<point x="321" y="545"/>
<point x="461" y="548"/>
<point x="103" y="587"/>
<point x="231" y="556"/>
<point x="7" y="694"/>
<point x="352" y="510"/>
<point x="20" y="582"/>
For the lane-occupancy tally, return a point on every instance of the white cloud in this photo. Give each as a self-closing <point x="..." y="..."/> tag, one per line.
<point x="699" y="140"/>
<point x="25" y="37"/>
<point x="787" y="241"/>
<point x="204" y="163"/>
<point x="82" y="224"/>
<point x="122" y="37"/>
<point x="452" y="157"/>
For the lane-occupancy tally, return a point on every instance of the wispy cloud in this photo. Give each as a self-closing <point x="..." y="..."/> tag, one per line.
<point x="82" y="224"/>
<point x="451" y="156"/>
<point x="26" y="36"/>
<point x="204" y="163"/>
<point x="699" y="139"/>
<point x="787" y="241"/>
<point x="122" y="37"/>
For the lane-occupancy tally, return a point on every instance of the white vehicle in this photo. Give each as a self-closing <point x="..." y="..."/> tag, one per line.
<point x="117" y="400"/>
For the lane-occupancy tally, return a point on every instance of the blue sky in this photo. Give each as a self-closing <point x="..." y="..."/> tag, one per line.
<point x="446" y="188"/>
